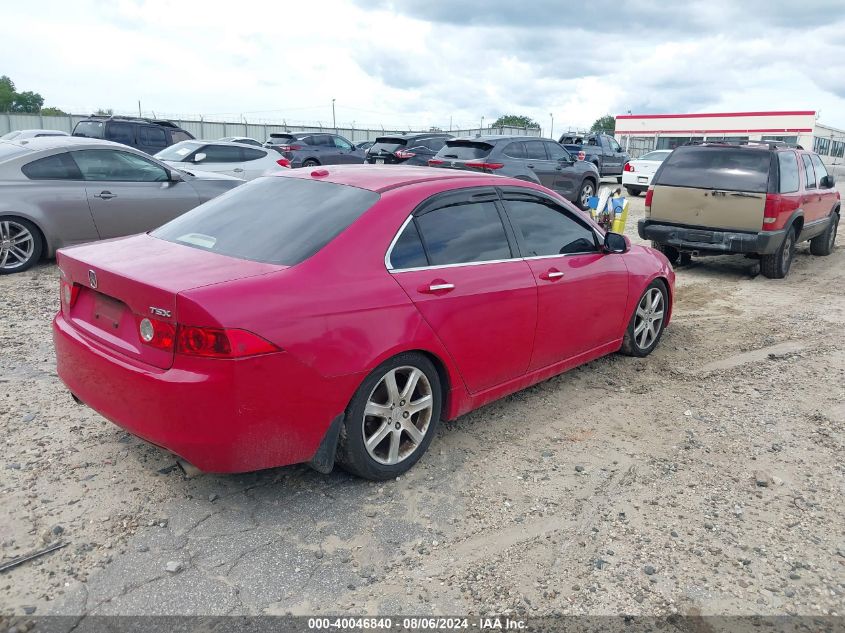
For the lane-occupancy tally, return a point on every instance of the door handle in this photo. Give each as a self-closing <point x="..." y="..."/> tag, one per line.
<point x="105" y="195"/>
<point x="438" y="286"/>
<point x="237" y="170"/>
<point x="530" y="166"/>
<point x="552" y="274"/>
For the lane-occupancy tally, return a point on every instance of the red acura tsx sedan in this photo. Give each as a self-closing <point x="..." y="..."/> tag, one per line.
<point x="336" y="315"/>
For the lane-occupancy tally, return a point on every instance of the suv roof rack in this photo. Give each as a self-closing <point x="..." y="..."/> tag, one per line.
<point x="134" y="119"/>
<point x="768" y="143"/>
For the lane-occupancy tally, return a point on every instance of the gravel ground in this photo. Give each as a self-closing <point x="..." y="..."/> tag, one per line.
<point x="705" y="479"/>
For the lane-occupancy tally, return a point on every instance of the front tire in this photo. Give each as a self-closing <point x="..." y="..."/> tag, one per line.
<point x="824" y="244"/>
<point x="391" y="419"/>
<point x="587" y="191"/>
<point x="776" y="265"/>
<point x="21" y="245"/>
<point x="646" y="326"/>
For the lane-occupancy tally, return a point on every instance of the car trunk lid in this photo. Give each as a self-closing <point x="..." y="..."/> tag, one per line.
<point x="385" y="148"/>
<point x="461" y="154"/>
<point x="119" y="282"/>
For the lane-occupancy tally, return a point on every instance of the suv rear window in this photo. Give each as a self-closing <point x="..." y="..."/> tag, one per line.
<point x="465" y="150"/>
<point x="91" y="129"/>
<point x="273" y="220"/>
<point x="717" y="168"/>
<point x="387" y="144"/>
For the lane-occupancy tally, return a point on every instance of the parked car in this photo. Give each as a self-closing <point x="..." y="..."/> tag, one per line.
<point x="408" y="149"/>
<point x="148" y="135"/>
<point x="306" y="149"/>
<point x="758" y="199"/>
<point x="529" y="158"/>
<point x="241" y="139"/>
<point x="60" y="190"/>
<point x="364" y="146"/>
<point x="637" y="172"/>
<point x="600" y="149"/>
<point x="299" y="318"/>
<point x="27" y="134"/>
<point x="232" y="159"/>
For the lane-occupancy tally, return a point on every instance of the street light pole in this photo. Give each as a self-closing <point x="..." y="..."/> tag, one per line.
<point x="334" y="121"/>
<point x="552" y="133"/>
<point x="481" y="128"/>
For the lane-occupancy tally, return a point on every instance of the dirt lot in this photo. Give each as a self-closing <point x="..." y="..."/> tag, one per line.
<point x="707" y="478"/>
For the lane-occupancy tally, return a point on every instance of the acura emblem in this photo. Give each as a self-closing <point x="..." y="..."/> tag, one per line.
<point x="92" y="278"/>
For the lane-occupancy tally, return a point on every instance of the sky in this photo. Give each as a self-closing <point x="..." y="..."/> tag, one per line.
<point x="420" y="63"/>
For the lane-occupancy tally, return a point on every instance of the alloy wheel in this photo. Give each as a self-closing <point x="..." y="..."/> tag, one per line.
<point x="397" y="415"/>
<point x="586" y="194"/>
<point x="649" y="321"/>
<point x="17" y="245"/>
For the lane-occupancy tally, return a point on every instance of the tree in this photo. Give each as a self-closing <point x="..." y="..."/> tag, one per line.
<point x="51" y="111"/>
<point x="7" y="94"/>
<point x="104" y="111"/>
<point x="516" y="120"/>
<point x="607" y="123"/>
<point x="27" y="102"/>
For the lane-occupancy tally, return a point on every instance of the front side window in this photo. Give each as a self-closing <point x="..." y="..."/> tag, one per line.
<point x="810" y="175"/>
<point x="111" y="165"/>
<point x="556" y="151"/>
<point x="341" y="143"/>
<point x="56" y="167"/>
<point x="788" y="163"/>
<point x="275" y="220"/>
<point x="464" y="233"/>
<point x="121" y="133"/>
<point x="614" y="145"/>
<point x="821" y="172"/>
<point x="535" y="150"/>
<point x="408" y="250"/>
<point x="180" y="135"/>
<point x="547" y="229"/>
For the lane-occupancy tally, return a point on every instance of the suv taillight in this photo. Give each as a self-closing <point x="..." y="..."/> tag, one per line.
<point x="648" y="196"/>
<point x="770" y="211"/>
<point x="289" y="148"/>
<point x="403" y="154"/>
<point x="483" y="165"/>
<point x="628" y="167"/>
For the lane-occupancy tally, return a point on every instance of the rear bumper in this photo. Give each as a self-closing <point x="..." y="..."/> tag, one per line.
<point x="220" y="415"/>
<point x="710" y="241"/>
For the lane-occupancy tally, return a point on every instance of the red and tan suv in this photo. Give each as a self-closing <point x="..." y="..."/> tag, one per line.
<point x="758" y="199"/>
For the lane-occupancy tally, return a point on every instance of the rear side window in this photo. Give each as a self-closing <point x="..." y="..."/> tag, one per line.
<point x="274" y="220"/>
<point x="57" y="167"/>
<point x="465" y="150"/>
<point x="547" y="229"/>
<point x="464" y="233"/>
<point x="152" y="136"/>
<point x="788" y="164"/>
<point x="121" y="133"/>
<point x="808" y="172"/>
<point x="408" y="250"/>
<point x="253" y="154"/>
<point x="515" y="150"/>
<point x="716" y="168"/>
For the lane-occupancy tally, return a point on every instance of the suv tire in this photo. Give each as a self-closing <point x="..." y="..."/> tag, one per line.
<point x="776" y="265"/>
<point x="671" y="253"/>
<point x="823" y="244"/>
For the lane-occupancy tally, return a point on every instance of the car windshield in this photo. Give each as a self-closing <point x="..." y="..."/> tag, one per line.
<point x="717" y="168"/>
<point x="277" y="220"/>
<point x="91" y="129"/>
<point x="465" y="150"/>
<point x="658" y="156"/>
<point x="179" y="151"/>
<point x="9" y="136"/>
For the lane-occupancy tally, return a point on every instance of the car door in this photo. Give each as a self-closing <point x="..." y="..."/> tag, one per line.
<point x="614" y="156"/>
<point x="565" y="178"/>
<point x="221" y="159"/>
<point x="538" y="162"/>
<point x="827" y="195"/>
<point x="129" y="194"/>
<point x="581" y="291"/>
<point x="812" y="199"/>
<point x="346" y="152"/>
<point x="256" y="163"/>
<point x="457" y="263"/>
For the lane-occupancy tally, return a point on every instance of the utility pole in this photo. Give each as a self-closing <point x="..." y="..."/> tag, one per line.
<point x="334" y="121"/>
<point x="552" y="133"/>
<point x="139" y="107"/>
<point x="481" y="129"/>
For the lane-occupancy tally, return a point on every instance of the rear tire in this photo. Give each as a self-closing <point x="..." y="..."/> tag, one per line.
<point x="671" y="253"/>
<point x="21" y="244"/>
<point x="825" y="243"/>
<point x="391" y="419"/>
<point x="646" y="326"/>
<point x="310" y="162"/>
<point x="619" y="179"/>
<point x="776" y="265"/>
<point x="633" y="191"/>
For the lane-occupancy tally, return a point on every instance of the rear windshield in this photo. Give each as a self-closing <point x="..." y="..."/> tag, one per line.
<point x="388" y="144"/>
<point x="91" y="129"/>
<point x="276" y="220"/>
<point x="465" y="150"/>
<point x="280" y="139"/>
<point x="10" y="150"/>
<point x="716" y="168"/>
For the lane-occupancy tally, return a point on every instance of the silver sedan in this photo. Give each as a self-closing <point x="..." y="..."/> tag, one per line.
<point x="58" y="191"/>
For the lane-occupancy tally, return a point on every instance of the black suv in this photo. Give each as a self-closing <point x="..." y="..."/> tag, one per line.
<point x="408" y="149"/>
<point x="148" y="135"/>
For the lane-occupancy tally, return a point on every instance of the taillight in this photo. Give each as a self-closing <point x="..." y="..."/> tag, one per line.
<point x="68" y="292"/>
<point x="289" y="148"/>
<point x="283" y="162"/>
<point x="648" y="196"/>
<point x="770" y="211"/>
<point x="435" y="161"/>
<point x="628" y="167"/>
<point x="582" y="155"/>
<point x="482" y="165"/>
<point x="157" y="333"/>
<point x="220" y="343"/>
<point x="403" y="154"/>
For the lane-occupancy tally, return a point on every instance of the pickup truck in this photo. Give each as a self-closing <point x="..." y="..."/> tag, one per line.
<point x="600" y="149"/>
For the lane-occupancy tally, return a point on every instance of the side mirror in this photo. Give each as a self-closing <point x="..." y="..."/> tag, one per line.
<point x="615" y="243"/>
<point x="565" y="160"/>
<point x="826" y="182"/>
<point x="198" y="158"/>
<point x="175" y="176"/>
